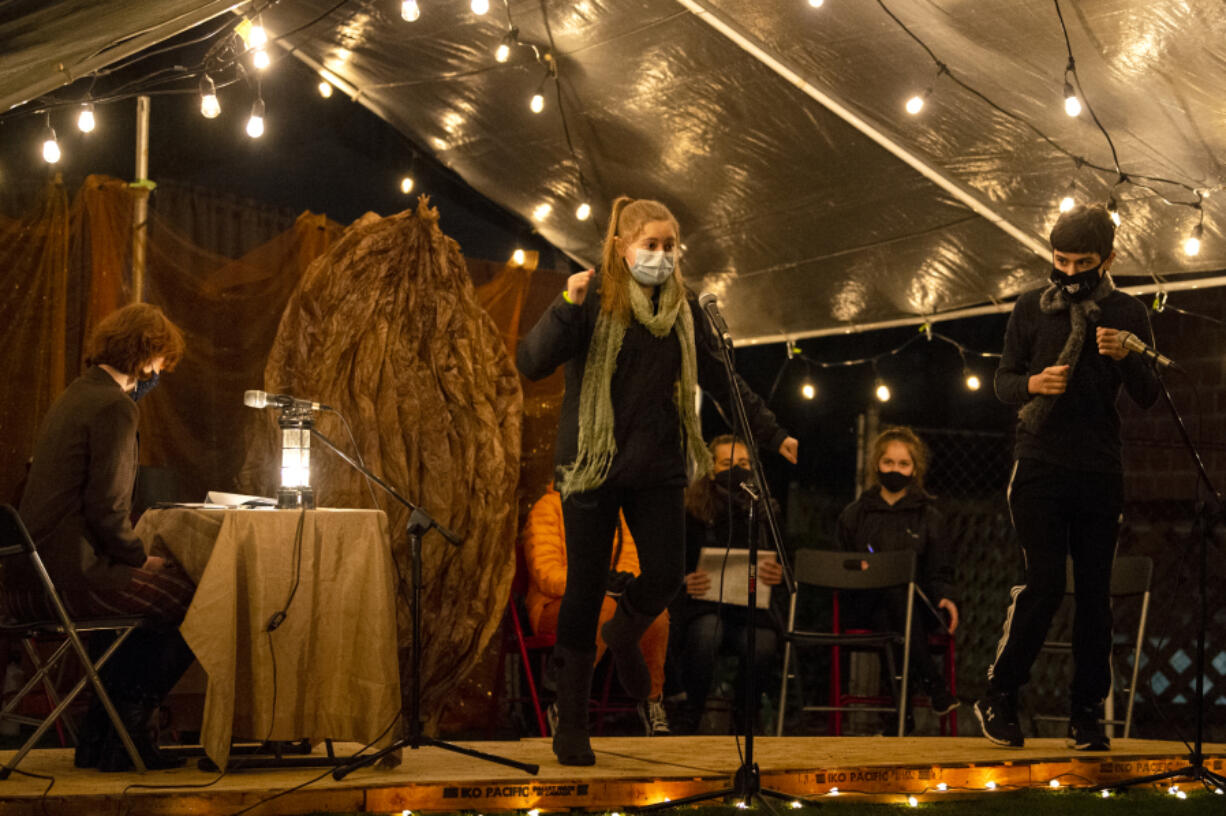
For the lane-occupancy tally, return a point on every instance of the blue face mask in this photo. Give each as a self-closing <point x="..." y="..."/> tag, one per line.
<point x="143" y="387"/>
<point x="652" y="268"/>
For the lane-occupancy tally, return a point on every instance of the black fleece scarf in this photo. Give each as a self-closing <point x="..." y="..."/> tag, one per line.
<point x="1035" y="412"/>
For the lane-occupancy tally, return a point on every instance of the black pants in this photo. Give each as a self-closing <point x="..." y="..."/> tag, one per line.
<point x="703" y="637"/>
<point x="656" y="518"/>
<point x="1059" y="512"/>
<point x="886" y="610"/>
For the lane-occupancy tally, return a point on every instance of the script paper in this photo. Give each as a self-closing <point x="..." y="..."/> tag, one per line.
<point x="736" y="576"/>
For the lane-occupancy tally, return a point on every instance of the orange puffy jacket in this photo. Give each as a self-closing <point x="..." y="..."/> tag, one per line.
<point x="544" y="540"/>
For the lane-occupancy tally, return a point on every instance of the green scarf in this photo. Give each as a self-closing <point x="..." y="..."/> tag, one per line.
<point x="597" y="448"/>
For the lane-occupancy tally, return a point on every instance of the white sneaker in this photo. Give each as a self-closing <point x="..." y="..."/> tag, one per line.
<point x="655" y="719"/>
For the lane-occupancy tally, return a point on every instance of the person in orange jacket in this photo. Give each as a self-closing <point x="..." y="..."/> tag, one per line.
<point x="544" y="541"/>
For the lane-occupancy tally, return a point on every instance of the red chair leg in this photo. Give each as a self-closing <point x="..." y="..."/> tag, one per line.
<point x="527" y="665"/>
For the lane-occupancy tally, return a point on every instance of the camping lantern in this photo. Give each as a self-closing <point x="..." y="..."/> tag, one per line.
<point x="295" y="490"/>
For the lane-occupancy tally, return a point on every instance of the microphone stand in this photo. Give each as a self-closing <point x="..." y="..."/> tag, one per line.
<point x="420" y="522"/>
<point x="746" y="785"/>
<point x="1205" y="516"/>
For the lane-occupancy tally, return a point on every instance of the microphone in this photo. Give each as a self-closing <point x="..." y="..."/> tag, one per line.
<point x="708" y="303"/>
<point x="261" y="399"/>
<point x="1134" y="343"/>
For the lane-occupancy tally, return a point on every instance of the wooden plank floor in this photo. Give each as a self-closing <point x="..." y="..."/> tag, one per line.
<point x="629" y="771"/>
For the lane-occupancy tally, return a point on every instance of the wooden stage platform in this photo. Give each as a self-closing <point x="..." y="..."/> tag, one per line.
<point x="629" y="771"/>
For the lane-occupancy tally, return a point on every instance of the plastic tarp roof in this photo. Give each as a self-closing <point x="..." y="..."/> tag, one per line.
<point x="738" y="115"/>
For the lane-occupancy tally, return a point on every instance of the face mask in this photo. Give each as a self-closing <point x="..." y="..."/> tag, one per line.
<point x="731" y="478"/>
<point x="1079" y="286"/>
<point x="893" y="481"/>
<point x="652" y="268"/>
<point x="143" y="387"/>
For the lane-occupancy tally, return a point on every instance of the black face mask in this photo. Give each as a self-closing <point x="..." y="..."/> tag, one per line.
<point x="143" y="387"/>
<point x="1079" y="286"/>
<point x="894" y="481"/>
<point x="730" y="480"/>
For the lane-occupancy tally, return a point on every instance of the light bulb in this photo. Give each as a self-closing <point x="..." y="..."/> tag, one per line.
<point x="85" y="122"/>
<point x="502" y="53"/>
<point x="255" y="125"/>
<point x="210" y="108"/>
<point x="261" y="60"/>
<point x="1115" y="217"/>
<point x="1072" y="105"/>
<point x="480" y="7"/>
<point x="51" y="149"/>
<point x="538" y="102"/>
<point x="1055" y="783"/>
<point x="325" y="89"/>
<point x="808" y="391"/>
<point x="915" y="104"/>
<point x="912" y="801"/>
<point x="972" y="382"/>
<point x="1106" y="794"/>
<point x="834" y="791"/>
<point x="816" y="3"/>
<point x="883" y="392"/>
<point x="406" y="185"/>
<point x="1191" y="244"/>
<point x="942" y="786"/>
<point x="1181" y="795"/>
<point x="257" y="37"/>
<point x="541" y="212"/>
<point x="410" y="11"/>
<point x="1067" y="203"/>
<point x="991" y="785"/>
<point x="795" y="803"/>
<point x="518" y="257"/>
<point x="742" y="805"/>
<point x="584" y="211"/>
<point x="534" y="812"/>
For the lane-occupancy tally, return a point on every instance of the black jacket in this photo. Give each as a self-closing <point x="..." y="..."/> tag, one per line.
<point x="1082" y="431"/>
<point x="79" y="496"/>
<point x="870" y="524"/>
<point x="646" y="425"/>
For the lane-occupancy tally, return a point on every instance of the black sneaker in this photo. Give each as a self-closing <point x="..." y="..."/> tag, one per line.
<point x="997" y="715"/>
<point x="943" y="702"/>
<point x="1086" y="733"/>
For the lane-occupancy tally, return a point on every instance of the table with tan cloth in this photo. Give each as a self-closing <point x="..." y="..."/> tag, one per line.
<point x="333" y="657"/>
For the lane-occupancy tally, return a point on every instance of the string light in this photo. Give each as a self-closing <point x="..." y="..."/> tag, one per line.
<point x="257" y="37"/>
<point x="85" y="121"/>
<point x="1106" y="793"/>
<point x="541" y="212"/>
<point x="916" y="103"/>
<point x="1072" y="105"/>
<point x="1053" y="784"/>
<point x="991" y="785"/>
<point x="972" y="380"/>
<point x="583" y="212"/>
<point x="834" y="791"/>
<point x="325" y="89"/>
<point x="534" y="811"/>
<point x="255" y="124"/>
<point x="51" y="147"/>
<point x="912" y="801"/>
<point x="816" y="3"/>
<point x="518" y="257"/>
<point x="210" y="108"/>
<point x="406" y="185"/>
<point x="795" y="804"/>
<point x="1113" y="209"/>
<point x="1070" y="198"/>
<point x="261" y="60"/>
<point x="808" y="390"/>
<point x="410" y="11"/>
<point x="1191" y="244"/>
<point x="882" y="391"/>
<point x="480" y="7"/>
<point x="942" y="786"/>
<point x="503" y="52"/>
<point x="538" y="102"/>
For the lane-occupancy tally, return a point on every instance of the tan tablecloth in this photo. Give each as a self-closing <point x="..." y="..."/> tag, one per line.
<point x="334" y="656"/>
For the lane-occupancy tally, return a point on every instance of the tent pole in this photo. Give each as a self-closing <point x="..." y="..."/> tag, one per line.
<point x="747" y="42"/>
<point x="971" y="311"/>
<point x="140" y="234"/>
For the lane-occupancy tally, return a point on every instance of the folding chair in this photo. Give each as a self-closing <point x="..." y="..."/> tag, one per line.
<point x="526" y="644"/>
<point x="1131" y="576"/>
<point x="825" y="569"/>
<point x="15" y="542"/>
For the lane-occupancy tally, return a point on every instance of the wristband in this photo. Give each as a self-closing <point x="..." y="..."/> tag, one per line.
<point x="566" y="297"/>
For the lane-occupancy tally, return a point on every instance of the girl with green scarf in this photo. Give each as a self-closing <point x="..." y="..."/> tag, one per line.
<point x="635" y="348"/>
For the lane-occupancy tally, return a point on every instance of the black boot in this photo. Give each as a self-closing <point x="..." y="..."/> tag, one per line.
<point x="93" y="735"/>
<point x="135" y="715"/>
<point x="622" y="634"/>
<point x="571" y="744"/>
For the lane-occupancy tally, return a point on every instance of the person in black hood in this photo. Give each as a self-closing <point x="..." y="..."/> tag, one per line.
<point x="717" y="516"/>
<point x="896" y="513"/>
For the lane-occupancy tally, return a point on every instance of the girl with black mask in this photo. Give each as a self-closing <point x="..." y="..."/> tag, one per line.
<point x="896" y="513"/>
<point x="717" y="514"/>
